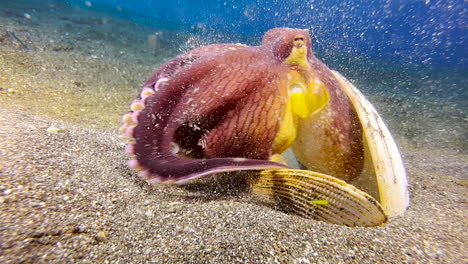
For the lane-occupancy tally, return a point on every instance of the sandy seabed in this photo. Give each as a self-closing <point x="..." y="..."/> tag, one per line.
<point x="66" y="194"/>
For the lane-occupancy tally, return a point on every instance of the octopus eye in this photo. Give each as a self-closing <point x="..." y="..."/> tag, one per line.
<point x="298" y="41"/>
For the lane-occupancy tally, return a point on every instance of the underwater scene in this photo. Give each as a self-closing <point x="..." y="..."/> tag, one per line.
<point x="310" y="132"/>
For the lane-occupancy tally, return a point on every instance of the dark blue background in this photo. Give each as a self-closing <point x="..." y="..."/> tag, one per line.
<point x="417" y="31"/>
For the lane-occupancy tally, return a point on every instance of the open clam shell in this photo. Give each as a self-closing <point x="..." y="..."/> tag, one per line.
<point x="381" y="174"/>
<point x="383" y="163"/>
<point x="379" y="189"/>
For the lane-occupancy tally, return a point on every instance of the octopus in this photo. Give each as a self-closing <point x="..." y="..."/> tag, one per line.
<point x="232" y="107"/>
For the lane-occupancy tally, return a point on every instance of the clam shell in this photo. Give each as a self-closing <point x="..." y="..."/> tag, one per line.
<point x="383" y="162"/>
<point x="378" y="192"/>
<point x="319" y="196"/>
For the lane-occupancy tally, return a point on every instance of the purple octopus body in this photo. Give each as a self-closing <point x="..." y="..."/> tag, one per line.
<point x="219" y="108"/>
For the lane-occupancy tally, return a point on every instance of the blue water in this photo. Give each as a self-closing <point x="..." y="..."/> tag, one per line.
<point x="418" y="31"/>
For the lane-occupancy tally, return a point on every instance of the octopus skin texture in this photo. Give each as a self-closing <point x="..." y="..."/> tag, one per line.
<point x="230" y="107"/>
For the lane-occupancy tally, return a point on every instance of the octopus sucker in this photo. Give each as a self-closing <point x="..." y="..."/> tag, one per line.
<point x="127" y="118"/>
<point x="146" y="175"/>
<point x="123" y="128"/>
<point x="232" y="107"/>
<point x="134" y="118"/>
<point x="137" y="105"/>
<point x="129" y="132"/>
<point x="146" y="92"/>
<point x="130" y="149"/>
<point x="134" y="165"/>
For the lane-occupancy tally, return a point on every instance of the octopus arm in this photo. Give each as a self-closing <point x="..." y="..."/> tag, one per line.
<point x="185" y="60"/>
<point x="213" y="86"/>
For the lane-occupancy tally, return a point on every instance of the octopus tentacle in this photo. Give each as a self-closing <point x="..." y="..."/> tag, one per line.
<point x="255" y="117"/>
<point x="166" y="110"/>
<point x="185" y="60"/>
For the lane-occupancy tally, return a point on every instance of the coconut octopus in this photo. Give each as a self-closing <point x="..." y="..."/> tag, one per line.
<point x="232" y="107"/>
